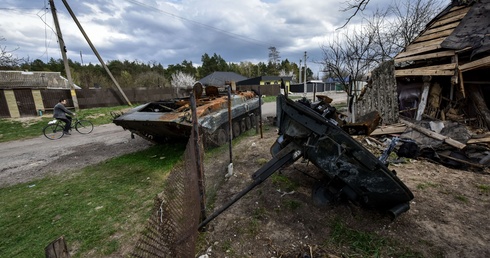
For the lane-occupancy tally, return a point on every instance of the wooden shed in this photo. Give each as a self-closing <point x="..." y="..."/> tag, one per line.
<point x="21" y="92"/>
<point x="443" y="73"/>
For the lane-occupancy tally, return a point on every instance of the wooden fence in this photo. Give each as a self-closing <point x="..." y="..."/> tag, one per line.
<point x="90" y="98"/>
<point x="32" y="102"/>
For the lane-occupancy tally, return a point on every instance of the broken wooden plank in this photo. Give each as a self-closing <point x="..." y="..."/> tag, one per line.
<point x="389" y="130"/>
<point x="418" y="51"/>
<point x="435" y="135"/>
<point x="475" y="64"/>
<point x="461" y="161"/>
<point x="425" y="44"/>
<point x="450" y="66"/>
<point x="436" y="35"/>
<point x="441" y="28"/>
<point x="421" y="72"/>
<point x="480" y="140"/>
<point x="441" y="70"/>
<point x="425" y="56"/>
<point x="449" y="20"/>
<point x="423" y="97"/>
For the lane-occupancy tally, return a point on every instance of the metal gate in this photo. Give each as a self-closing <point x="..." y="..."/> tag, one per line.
<point x="25" y="102"/>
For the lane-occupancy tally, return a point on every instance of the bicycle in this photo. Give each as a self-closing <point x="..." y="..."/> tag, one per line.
<point x="54" y="129"/>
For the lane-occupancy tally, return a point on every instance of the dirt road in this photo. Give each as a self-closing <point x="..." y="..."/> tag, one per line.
<point x="25" y="160"/>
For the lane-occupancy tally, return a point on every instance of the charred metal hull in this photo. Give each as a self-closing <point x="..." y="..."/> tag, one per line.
<point x="171" y="120"/>
<point x="351" y="171"/>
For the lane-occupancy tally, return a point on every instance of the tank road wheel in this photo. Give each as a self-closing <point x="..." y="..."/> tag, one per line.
<point x="236" y="129"/>
<point x="243" y="126"/>
<point x="221" y="137"/>
<point x="248" y="122"/>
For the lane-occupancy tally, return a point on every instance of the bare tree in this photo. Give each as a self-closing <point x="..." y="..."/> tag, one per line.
<point x="350" y="56"/>
<point x="381" y="36"/>
<point x="356" y="6"/>
<point x="7" y="60"/>
<point x="411" y="17"/>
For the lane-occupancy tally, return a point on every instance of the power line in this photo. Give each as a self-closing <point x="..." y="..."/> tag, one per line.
<point x="234" y="35"/>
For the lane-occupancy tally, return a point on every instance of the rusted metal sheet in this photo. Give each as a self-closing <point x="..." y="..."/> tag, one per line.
<point x="365" y="125"/>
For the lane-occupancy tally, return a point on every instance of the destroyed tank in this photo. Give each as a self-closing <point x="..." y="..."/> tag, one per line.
<point x="171" y="120"/>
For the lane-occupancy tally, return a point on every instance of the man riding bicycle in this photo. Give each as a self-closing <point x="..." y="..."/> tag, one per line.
<point x="60" y="112"/>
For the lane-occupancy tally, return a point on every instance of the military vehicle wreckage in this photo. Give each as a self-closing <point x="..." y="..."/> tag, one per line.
<point x="351" y="172"/>
<point x="171" y="120"/>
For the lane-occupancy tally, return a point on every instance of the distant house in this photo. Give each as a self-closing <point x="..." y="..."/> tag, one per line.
<point x="443" y="73"/>
<point x="273" y="81"/>
<point x="20" y="91"/>
<point x="317" y="86"/>
<point x="220" y="79"/>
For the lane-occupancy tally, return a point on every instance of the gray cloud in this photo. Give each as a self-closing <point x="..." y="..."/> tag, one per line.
<point x="171" y="31"/>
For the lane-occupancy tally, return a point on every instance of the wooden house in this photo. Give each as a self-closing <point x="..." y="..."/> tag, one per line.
<point x="21" y="92"/>
<point x="443" y="73"/>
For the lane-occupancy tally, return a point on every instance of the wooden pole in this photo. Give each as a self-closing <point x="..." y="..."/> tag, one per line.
<point x="423" y="98"/>
<point x="95" y="51"/>
<point x="198" y="155"/>
<point x="230" y="125"/>
<point x="63" y="54"/>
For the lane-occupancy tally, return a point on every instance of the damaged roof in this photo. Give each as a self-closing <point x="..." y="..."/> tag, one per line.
<point x="473" y="31"/>
<point x="463" y="26"/>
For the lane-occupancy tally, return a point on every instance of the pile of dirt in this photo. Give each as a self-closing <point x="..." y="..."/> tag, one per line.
<point x="448" y="216"/>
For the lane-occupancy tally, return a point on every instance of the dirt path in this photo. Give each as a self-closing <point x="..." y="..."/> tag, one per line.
<point x="25" y="160"/>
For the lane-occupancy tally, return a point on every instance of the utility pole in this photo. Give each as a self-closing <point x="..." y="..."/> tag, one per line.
<point x="63" y="54"/>
<point x="300" y="71"/>
<point x="95" y="50"/>
<point x="305" y="76"/>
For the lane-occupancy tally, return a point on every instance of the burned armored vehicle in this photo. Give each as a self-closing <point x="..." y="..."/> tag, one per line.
<point x="313" y="131"/>
<point x="171" y="120"/>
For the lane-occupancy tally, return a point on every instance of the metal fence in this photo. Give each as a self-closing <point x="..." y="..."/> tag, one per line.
<point x="172" y="229"/>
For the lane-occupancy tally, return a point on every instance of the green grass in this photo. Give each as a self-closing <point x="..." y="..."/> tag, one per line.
<point x="357" y="243"/>
<point x="16" y="129"/>
<point x="484" y="188"/>
<point x="284" y="183"/>
<point x="461" y="198"/>
<point x="98" y="209"/>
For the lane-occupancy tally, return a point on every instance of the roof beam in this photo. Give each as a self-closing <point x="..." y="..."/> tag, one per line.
<point x="425" y="56"/>
<point x="435" y="70"/>
<point x="475" y="64"/>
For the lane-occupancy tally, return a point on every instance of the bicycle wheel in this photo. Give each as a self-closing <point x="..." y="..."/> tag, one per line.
<point x="54" y="131"/>
<point x="84" y="126"/>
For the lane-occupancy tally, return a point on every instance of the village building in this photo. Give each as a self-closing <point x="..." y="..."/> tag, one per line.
<point x="442" y="74"/>
<point x="21" y="92"/>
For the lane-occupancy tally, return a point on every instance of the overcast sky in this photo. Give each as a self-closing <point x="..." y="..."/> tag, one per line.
<point x="171" y="31"/>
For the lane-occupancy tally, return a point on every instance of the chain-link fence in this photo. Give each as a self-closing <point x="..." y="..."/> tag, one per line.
<point x="172" y="228"/>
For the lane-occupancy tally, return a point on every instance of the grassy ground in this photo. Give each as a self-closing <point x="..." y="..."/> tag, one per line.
<point x="15" y="129"/>
<point x="98" y="209"/>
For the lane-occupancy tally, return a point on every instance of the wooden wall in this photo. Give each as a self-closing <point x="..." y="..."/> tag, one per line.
<point x="380" y="95"/>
